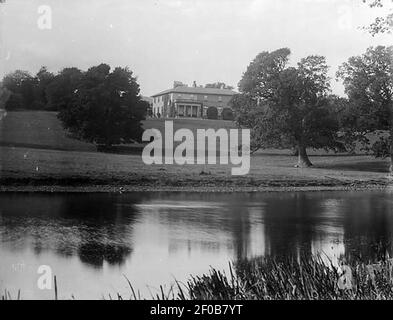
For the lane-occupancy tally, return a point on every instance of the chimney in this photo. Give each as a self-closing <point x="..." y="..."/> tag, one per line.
<point x="194" y="84"/>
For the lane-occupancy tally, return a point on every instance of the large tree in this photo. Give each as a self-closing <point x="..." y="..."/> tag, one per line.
<point x="27" y="91"/>
<point x="59" y="92"/>
<point x="368" y="81"/>
<point x="287" y="106"/>
<point x="106" y="107"/>
<point x="21" y="85"/>
<point x="43" y="79"/>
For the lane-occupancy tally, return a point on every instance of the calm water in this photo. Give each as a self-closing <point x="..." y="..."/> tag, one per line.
<point x="91" y="240"/>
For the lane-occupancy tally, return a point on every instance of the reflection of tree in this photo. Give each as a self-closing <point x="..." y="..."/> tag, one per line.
<point x="239" y="227"/>
<point x="290" y="220"/>
<point x="293" y="222"/>
<point x="96" y="227"/>
<point x="231" y="220"/>
<point x="96" y="253"/>
<point x="104" y="231"/>
<point x="368" y="227"/>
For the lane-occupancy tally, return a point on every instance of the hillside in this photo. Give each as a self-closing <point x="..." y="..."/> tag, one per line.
<point x="42" y="130"/>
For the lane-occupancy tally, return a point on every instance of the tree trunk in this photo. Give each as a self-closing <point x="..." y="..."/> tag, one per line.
<point x="303" y="160"/>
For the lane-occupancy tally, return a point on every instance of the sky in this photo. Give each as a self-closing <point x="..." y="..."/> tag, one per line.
<point x="185" y="40"/>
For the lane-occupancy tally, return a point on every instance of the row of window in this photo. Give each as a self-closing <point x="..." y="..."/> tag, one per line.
<point x="179" y="96"/>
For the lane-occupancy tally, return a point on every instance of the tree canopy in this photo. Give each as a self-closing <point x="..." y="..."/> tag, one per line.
<point x="382" y="24"/>
<point x="287" y="106"/>
<point x="368" y="81"/>
<point x="22" y="87"/>
<point x="105" y="108"/>
<point x="60" y="90"/>
<point x="44" y="91"/>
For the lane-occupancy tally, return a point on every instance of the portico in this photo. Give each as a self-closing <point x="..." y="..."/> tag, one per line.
<point x="189" y="110"/>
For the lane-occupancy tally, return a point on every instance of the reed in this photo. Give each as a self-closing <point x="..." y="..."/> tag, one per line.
<point x="292" y="279"/>
<point x="307" y="278"/>
<point x="8" y="296"/>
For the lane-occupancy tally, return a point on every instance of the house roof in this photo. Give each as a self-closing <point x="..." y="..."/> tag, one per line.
<point x="197" y="90"/>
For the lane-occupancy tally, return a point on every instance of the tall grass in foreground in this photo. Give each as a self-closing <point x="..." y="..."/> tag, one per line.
<point x="6" y="295"/>
<point x="309" y="278"/>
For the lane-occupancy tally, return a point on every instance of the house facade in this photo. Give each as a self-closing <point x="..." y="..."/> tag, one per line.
<point x="191" y="102"/>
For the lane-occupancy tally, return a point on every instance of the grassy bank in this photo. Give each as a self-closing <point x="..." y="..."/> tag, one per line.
<point x="24" y="168"/>
<point x="37" y="155"/>
<point x="42" y="130"/>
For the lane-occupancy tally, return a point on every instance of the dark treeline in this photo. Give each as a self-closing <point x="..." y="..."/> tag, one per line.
<point x="43" y="91"/>
<point x="100" y="105"/>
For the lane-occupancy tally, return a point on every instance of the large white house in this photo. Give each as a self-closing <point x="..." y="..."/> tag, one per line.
<point x="191" y="102"/>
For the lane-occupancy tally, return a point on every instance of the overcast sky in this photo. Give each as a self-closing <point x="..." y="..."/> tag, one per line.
<point x="185" y="40"/>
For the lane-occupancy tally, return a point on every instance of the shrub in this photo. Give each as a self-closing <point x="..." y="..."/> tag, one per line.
<point x="212" y="113"/>
<point x="227" y="114"/>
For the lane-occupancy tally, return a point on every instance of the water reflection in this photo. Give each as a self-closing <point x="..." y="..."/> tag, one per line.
<point x="153" y="237"/>
<point x="95" y="228"/>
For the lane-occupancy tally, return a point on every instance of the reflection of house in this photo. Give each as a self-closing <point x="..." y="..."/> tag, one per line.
<point x="184" y="101"/>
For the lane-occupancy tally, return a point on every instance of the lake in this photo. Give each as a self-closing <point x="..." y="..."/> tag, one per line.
<point x="91" y="241"/>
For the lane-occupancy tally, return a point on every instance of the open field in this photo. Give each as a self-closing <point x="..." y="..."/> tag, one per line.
<point x="35" y="167"/>
<point x="42" y="130"/>
<point x="36" y="154"/>
<point x="37" y="130"/>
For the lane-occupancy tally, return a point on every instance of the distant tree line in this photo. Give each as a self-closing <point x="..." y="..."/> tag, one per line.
<point x="218" y="85"/>
<point x="43" y="91"/>
<point x="98" y="105"/>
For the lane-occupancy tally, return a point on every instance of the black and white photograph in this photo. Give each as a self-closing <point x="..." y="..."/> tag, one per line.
<point x="190" y="150"/>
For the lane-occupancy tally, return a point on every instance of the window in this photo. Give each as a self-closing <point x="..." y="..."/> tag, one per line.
<point x="181" y="110"/>
<point x="219" y="98"/>
<point x="205" y="97"/>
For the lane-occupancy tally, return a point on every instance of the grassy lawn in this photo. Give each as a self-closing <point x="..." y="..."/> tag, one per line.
<point x="35" y="150"/>
<point x="42" y="130"/>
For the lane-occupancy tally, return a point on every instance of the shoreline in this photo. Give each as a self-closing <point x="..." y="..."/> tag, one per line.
<point x="121" y="189"/>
